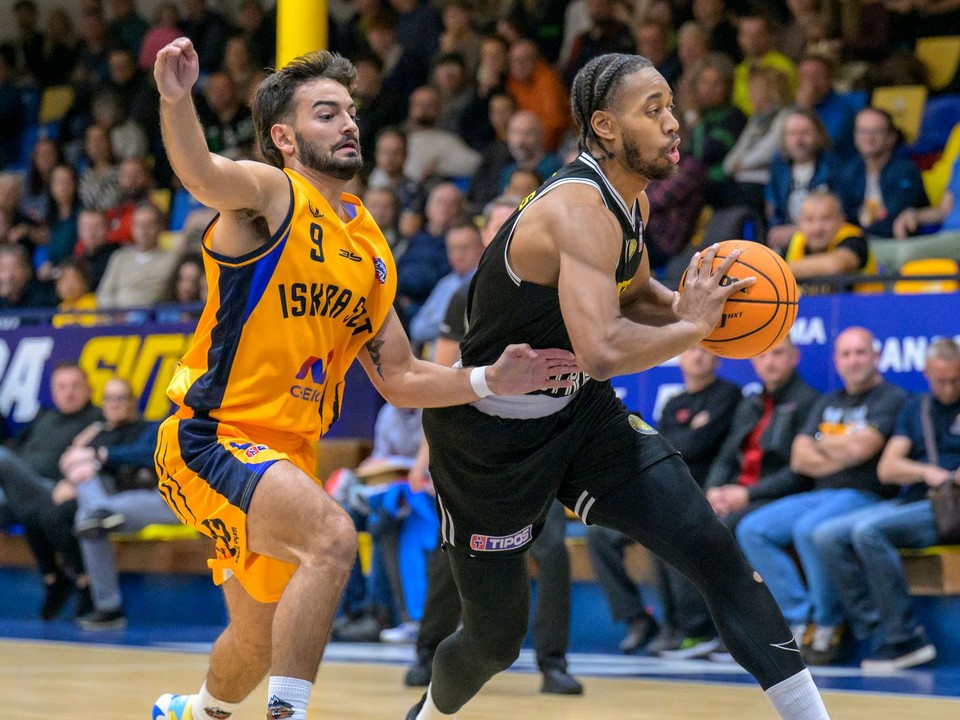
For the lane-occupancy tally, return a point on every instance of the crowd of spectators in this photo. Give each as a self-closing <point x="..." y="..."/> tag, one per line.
<point x="468" y="96"/>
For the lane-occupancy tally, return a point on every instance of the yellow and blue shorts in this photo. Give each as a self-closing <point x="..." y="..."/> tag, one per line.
<point x="208" y="471"/>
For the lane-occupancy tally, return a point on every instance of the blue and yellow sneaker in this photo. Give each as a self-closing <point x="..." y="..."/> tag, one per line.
<point x="173" y="707"/>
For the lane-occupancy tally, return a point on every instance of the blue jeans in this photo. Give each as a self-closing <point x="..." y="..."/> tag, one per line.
<point x="765" y="534"/>
<point x="860" y="551"/>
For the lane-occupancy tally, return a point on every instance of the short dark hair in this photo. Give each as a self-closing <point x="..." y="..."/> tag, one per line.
<point x="273" y="101"/>
<point x="597" y="87"/>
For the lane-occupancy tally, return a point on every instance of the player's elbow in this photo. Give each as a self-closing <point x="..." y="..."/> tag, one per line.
<point x="598" y="362"/>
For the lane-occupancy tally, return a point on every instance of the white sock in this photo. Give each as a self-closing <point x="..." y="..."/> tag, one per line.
<point x="429" y="710"/>
<point x="797" y="698"/>
<point x="289" y="693"/>
<point x="206" y="705"/>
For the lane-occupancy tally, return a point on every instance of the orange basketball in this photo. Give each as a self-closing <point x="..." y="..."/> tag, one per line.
<point x="756" y="318"/>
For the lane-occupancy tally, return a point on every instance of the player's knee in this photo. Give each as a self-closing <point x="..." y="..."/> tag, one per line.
<point x="333" y="542"/>
<point x="505" y="653"/>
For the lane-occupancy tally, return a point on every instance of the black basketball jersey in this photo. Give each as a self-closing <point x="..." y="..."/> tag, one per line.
<point x="502" y="309"/>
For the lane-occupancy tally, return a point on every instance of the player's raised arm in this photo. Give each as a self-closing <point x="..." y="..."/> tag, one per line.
<point x="406" y="381"/>
<point x="214" y="180"/>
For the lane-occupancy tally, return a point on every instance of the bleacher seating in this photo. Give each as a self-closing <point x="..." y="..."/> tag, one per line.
<point x="905" y="104"/>
<point x="941" y="57"/>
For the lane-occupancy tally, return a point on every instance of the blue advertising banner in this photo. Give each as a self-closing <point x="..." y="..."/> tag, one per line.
<point x="904" y="326"/>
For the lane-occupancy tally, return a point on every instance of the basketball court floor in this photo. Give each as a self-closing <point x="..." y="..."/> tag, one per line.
<point x="53" y="670"/>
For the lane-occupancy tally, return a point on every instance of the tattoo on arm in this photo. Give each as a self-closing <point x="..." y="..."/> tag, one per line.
<point x="373" y="347"/>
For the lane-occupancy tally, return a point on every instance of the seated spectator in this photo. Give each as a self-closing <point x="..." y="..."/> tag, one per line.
<point x="136" y="275"/>
<point x="714" y="19"/>
<point x="128" y="139"/>
<point x="227" y="122"/>
<point x="384" y="205"/>
<point x="19" y="289"/>
<point x="100" y="178"/>
<point x="755" y="39"/>
<point x="260" y="31"/>
<point x="390" y="158"/>
<point x="825" y="244"/>
<point x="61" y="222"/>
<point x="539" y="89"/>
<point x="838" y="447"/>
<point x="432" y="152"/>
<point x="655" y="42"/>
<point x="675" y="206"/>
<point x="238" y="64"/>
<point x="605" y="34"/>
<point x="29" y="477"/>
<point x="488" y="124"/>
<point x="187" y="286"/>
<point x="522" y="182"/>
<point x="135" y="185"/>
<point x="692" y="47"/>
<point x="944" y="217"/>
<point x="126" y="25"/>
<point x="808" y="25"/>
<point x="115" y="482"/>
<point x="815" y="90"/>
<point x="73" y="289"/>
<point x="35" y="200"/>
<point x="877" y="185"/>
<point x="719" y="123"/>
<point x="458" y="34"/>
<point x="449" y="76"/>
<point x="92" y="244"/>
<point x="747" y="165"/>
<point x="15" y="226"/>
<point x="860" y="549"/>
<point x="165" y="29"/>
<point x="803" y="164"/>
<point x="378" y="107"/>
<point x="11" y="111"/>
<point x="424" y="262"/>
<point x="464" y="248"/>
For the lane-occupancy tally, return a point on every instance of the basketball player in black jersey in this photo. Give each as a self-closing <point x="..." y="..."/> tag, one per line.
<point x="569" y="270"/>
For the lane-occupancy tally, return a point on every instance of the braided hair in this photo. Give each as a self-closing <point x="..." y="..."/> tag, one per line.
<point x="596" y="87"/>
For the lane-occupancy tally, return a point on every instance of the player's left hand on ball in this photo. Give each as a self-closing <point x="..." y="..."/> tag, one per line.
<point x="521" y="369"/>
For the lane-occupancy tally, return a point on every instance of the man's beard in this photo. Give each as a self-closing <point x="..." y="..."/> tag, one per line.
<point x="314" y="158"/>
<point x="633" y="160"/>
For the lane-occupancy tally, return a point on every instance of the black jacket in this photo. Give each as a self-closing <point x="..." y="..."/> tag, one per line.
<point x="792" y="404"/>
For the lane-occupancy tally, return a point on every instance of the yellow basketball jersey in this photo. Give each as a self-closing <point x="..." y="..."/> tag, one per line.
<point x="282" y="324"/>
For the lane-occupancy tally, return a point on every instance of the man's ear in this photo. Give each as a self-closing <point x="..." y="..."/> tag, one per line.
<point x="282" y="136"/>
<point x="602" y="123"/>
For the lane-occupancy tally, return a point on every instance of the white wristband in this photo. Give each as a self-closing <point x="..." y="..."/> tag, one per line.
<point x="478" y="381"/>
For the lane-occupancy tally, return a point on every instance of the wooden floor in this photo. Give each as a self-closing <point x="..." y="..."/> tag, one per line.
<point x="87" y="682"/>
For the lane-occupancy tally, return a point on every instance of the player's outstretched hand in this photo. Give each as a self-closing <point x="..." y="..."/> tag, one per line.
<point x="176" y="69"/>
<point x="706" y="289"/>
<point x="521" y="369"/>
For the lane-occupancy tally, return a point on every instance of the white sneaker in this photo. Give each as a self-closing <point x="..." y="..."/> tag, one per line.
<point x="405" y="633"/>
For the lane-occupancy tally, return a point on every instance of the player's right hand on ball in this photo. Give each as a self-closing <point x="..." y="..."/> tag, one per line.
<point x="176" y="69"/>
<point x="705" y="289"/>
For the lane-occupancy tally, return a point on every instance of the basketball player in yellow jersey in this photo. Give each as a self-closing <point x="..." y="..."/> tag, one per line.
<point x="301" y="282"/>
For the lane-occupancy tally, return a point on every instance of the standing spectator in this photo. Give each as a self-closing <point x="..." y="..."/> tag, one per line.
<point x="747" y="165"/>
<point x="208" y="30"/>
<point x="420" y="268"/>
<point x="838" y="447"/>
<point x="605" y="34"/>
<point x="826" y="244"/>
<point x="227" y="122"/>
<point x="877" y="185"/>
<point x="719" y="123"/>
<point x="756" y="41"/>
<point x="126" y="25"/>
<point x="100" y="178"/>
<point x="860" y="549"/>
<point x="815" y="78"/>
<point x="432" y="152"/>
<point x="539" y="89"/>
<point x="803" y="164"/>
<point x="92" y="244"/>
<point x="135" y="186"/>
<point x="136" y="275"/>
<point x="115" y="482"/>
<point x="29" y="477"/>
